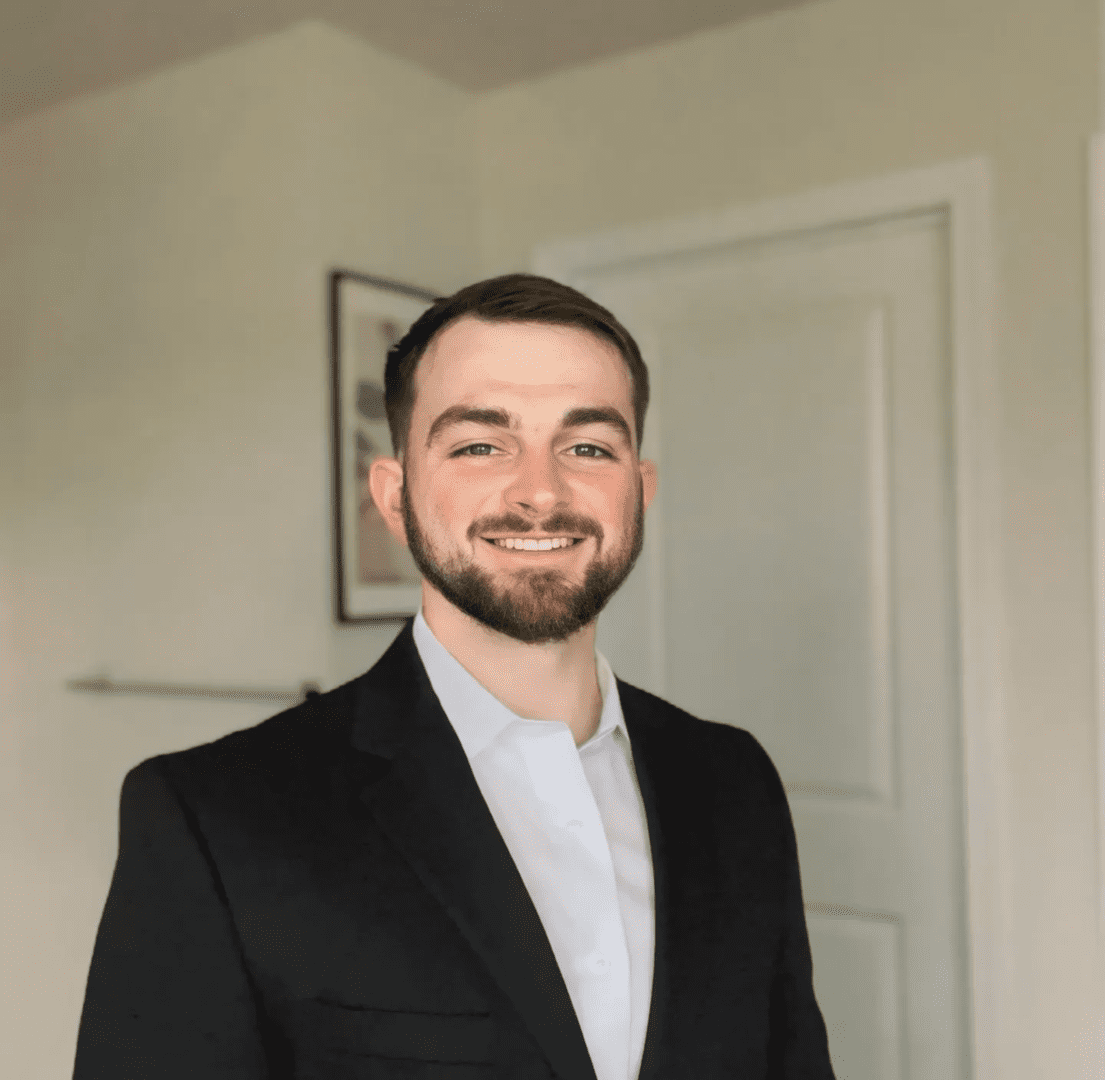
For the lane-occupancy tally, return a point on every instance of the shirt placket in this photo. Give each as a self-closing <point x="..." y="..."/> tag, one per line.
<point x="586" y="899"/>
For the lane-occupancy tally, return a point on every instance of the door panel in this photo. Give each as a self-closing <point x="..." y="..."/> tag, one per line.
<point x="799" y="581"/>
<point x="864" y="1026"/>
<point x="803" y="542"/>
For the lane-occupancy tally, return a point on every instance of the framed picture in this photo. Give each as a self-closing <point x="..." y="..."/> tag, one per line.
<point x="375" y="576"/>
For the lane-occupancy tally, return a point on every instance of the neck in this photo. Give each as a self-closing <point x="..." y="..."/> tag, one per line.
<point x="551" y="681"/>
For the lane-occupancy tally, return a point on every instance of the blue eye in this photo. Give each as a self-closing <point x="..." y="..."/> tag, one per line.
<point x="464" y="450"/>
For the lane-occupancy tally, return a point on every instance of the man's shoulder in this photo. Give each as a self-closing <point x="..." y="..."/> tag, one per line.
<point x="685" y="735"/>
<point x="301" y="738"/>
<point x="712" y="764"/>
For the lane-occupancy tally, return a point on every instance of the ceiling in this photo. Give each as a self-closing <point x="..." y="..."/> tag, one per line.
<point x="51" y="50"/>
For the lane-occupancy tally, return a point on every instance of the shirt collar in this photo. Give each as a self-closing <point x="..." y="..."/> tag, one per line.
<point x="477" y="716"/>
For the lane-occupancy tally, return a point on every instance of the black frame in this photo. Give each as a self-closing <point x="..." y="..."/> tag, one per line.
<point x="335" y="280"/>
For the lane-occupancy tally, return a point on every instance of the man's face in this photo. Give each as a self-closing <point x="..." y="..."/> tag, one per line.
<point x="522" y="432"/>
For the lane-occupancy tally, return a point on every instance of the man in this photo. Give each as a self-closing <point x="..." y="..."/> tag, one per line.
<point x="487" y="857"/>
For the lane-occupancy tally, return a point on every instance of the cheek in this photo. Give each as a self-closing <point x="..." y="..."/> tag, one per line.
<point x="614" y="504"/>
<point x="455" y="506"/>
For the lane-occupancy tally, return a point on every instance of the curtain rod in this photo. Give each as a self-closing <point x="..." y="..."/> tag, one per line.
<point x="101" y="684"/>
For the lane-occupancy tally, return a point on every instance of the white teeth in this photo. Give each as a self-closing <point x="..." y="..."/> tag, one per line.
<point x="518" y="544"/>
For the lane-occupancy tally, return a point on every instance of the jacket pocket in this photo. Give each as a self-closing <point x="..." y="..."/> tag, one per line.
<point x="327" y="1030"/>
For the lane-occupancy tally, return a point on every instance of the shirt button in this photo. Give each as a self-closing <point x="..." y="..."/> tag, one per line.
<point x="599" y="964"/>
<point x="575" y="823"/>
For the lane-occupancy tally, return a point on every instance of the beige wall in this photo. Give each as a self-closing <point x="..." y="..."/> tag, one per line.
<point x="164" y="408"/>
<point x="163" y="388"/>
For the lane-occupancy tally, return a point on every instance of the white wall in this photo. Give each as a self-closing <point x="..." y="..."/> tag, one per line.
<point x="852" y="89"/>
<point x="165" y="438"/>
<point x="164" y="504"/>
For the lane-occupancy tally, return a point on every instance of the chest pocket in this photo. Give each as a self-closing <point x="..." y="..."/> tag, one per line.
<point x="338" y="1041"/>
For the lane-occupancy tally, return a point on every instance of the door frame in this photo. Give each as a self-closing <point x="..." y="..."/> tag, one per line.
<point x="962" y="190"/>
<point x="1097" y="405"/>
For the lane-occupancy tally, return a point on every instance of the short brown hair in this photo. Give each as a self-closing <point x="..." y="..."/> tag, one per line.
<point x="509" y="298"/>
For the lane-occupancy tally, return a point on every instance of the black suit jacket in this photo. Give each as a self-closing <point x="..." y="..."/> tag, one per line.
<point x="327" y="895"/>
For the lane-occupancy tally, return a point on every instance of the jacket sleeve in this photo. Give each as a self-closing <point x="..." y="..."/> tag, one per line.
<point x="168" y="995"/>
<point x="798" y="1047"/>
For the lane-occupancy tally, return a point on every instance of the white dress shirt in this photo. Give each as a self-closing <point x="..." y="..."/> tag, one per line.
<point x="574" y="823"/>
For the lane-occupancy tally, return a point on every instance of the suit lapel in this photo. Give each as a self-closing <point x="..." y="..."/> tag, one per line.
<point x="690" y="933"/>
<point x="647" y="758"/>
<point x="429" y="805"/>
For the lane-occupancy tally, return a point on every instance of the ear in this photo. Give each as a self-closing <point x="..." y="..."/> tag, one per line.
<point x="650" y="480"/>
<point x="385" y="483"/>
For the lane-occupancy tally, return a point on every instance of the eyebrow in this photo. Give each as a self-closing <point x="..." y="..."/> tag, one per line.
<point x="497" y="417"/>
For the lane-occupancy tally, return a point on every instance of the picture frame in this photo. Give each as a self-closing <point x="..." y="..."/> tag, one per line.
<point x="375" y="577"/>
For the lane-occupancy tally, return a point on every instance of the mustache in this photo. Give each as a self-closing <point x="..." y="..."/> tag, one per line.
<point x="561" y="523"/>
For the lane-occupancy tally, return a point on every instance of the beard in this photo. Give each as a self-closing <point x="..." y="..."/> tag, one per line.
<point x="535" y="606"/>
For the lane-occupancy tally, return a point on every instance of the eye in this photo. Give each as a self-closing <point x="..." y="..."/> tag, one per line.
<point x="586" y="450"/>
<point x="474" y="450"/>
<point x="592" y="451"/>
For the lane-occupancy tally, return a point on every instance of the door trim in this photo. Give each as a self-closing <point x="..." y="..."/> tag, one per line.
<point x="1097" y="405"/>
<point x="962" y="190"/>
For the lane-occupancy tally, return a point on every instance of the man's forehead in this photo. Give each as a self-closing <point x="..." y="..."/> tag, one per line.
<point x="532" y="390"/>
<point x="519" y="366"/>
<point x="504" y="355"/>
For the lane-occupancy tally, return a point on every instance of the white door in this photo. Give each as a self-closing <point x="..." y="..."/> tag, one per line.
<point x="799" y="581"/>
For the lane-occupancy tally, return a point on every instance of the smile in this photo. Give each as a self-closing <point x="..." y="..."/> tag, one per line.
<point x="518" y="543"/>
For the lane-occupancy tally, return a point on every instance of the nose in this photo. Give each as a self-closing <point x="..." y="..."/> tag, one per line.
<point x="539" y="484"/>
